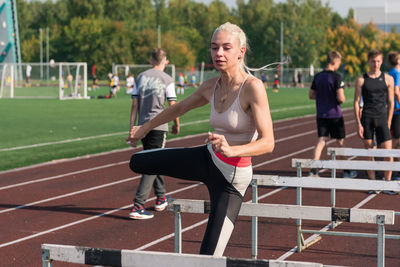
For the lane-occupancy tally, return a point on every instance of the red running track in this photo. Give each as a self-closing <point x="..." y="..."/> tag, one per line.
<point x="85" y="202"/>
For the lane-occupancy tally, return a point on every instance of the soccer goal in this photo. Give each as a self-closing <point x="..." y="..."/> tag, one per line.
<point x="123" y="70"/>
<point x="62" y="80"/>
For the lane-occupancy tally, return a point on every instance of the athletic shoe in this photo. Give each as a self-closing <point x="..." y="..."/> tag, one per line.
<point x="313" y="173"/>
<point x="389" y="192"/>
<point x="140" y="213"/>
<point x="349" y="174"/>
<point x="161" y="203"/>
<point x="374" y="192"/>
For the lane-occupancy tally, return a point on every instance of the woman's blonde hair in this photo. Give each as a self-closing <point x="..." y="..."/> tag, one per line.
<point x="239" y="34"/>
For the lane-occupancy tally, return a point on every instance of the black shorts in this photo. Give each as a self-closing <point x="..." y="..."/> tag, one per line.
<point x="395" y="127"/>
<point x="331" y="127"/>
<point x="377" y="126"/>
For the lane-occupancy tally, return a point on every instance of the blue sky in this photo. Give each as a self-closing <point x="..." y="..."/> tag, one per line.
<point x="340" y="6"/>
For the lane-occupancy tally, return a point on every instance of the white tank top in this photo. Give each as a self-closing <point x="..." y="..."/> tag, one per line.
<point x="235" y="124"/>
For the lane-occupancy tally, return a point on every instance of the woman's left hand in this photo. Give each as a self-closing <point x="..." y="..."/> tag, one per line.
<point x="219" y="144"/>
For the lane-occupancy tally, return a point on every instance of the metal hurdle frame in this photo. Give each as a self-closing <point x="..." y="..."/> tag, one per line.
<point x="379" y="217"/>
<point x="341" y="164"/>
<point x="325" y="183"/>
<point x="359" y="152"/>
<point x="114" y="257"/>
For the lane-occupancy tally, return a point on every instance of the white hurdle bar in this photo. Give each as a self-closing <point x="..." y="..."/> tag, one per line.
<point x="333" y="165"/>
<point x="380" y="217"/>
<point x="348" y="165"/>
<point x="126" y="258"/>
<point x="362" y="152"/>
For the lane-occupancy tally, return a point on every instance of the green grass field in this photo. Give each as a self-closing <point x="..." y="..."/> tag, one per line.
<point x="29" y="127"/>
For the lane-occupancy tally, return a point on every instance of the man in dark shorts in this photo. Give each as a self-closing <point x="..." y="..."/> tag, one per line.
<point x="377" y="91"/>
<point x="327" y="89"/>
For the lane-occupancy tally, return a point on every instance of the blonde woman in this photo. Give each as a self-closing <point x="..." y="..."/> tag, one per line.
<point x="240" y="117"/>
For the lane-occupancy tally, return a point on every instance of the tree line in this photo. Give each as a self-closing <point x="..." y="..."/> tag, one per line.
<point x="114" y="31"/>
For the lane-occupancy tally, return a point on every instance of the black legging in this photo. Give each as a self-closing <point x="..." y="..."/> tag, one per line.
<point x="196" y="164"/>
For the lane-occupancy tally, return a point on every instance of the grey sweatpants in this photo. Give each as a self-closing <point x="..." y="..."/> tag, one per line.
<point x="154" y="139"/>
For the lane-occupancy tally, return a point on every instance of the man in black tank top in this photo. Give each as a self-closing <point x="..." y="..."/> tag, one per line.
<point x="377" y="91"/>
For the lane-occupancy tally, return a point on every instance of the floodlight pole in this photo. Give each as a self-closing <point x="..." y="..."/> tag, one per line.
<point x="41" y="54"/>
<point x="159" y="36"/>
<point x="47" y="54"/>
<point x="281" y="76"/>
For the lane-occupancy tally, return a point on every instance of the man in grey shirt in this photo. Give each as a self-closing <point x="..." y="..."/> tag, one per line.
<point x="153" y="88"/>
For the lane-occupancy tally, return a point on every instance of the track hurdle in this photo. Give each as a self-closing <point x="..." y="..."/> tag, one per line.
<point x="362" y="152"/>
<point x="342" y="164"/>
<point x="380" y="217"/>
<point x="126" y="258"/>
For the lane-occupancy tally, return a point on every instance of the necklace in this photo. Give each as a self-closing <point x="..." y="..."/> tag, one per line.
<point x="224" y="97"/>
<point x="225" y="93"/>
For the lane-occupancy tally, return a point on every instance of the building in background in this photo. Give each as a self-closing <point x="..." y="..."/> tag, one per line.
<point x="386" y="18"/>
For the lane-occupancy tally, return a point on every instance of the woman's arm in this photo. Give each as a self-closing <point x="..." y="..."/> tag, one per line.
<point x="199" y="98"/>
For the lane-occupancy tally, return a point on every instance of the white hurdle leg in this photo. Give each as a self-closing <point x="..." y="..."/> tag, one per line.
<point x="46" y="261"/>
<point x="178" y="229"/>
<point x="254" y="221"/>
<point x="333" y="190"/>
<point x="300" y="239"/>
<point x="381" y="240"/>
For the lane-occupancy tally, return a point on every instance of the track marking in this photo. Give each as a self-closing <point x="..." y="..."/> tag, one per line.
<point x="86" y="219"/>
<point x="63" y="175"/>
<point x="71" y="194"/>
<point x="84" y="138"/>
<point x="125" y="132"/>
<point x="292" y="108"/>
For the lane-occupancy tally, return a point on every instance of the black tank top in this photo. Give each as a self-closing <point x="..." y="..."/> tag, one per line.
<point x="374" y="93"/>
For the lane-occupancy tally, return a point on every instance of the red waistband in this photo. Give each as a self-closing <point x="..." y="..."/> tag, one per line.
<point x="235" y="161"/>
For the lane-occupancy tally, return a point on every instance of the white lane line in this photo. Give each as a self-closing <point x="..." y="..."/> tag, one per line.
<point x="125" y="132"/>
<point x="84" y="138"/>
<point x="63" y="175"/>
<point x="297" y="152"/>
<point x="61" y="141"/>
<point x="90" y="156"/>
<point x="291" y="108"/>
<point x="291" y="126"/>
<point x="71" y="194"/>
<point x="85" y="219"/>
